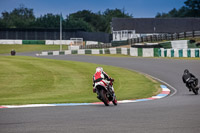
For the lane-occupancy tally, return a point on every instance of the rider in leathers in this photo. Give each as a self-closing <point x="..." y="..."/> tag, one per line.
<point x="188" y="76"/>
<point x="100" y="75"/>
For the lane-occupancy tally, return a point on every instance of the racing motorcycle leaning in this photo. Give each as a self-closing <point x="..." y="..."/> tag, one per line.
<point x="192" y="86"/>
<point x="105" y="93"/>
<point x="191" y="81"/>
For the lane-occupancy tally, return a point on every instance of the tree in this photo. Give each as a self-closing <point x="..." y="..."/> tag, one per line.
<point x="87" y="18"/>
<point x="194" y="7"/>
<point x="23" y="17"/>
<point x="191" y="9"/>
<point x="117" y="13"/>
<point x="18" y="18"/>
<point x="77" y="24"/>
<point x="97" y="21"/>
<point x="47" y="21"/>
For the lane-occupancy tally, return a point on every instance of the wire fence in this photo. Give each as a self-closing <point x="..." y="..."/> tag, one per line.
<point x="52" y="34"/>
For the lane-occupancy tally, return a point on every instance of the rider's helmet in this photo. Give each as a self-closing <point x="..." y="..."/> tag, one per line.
<point x="186" y="71"/>
<point x="99" y="69"/>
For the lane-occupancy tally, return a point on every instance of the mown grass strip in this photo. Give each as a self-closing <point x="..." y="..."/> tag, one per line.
<point x="28" y="48"/>
<point x="30" y="80"/>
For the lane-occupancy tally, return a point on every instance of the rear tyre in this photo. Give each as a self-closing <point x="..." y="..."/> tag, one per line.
<point x="104" y="97"/>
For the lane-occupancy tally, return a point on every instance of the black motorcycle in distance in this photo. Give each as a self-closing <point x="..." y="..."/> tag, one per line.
<point x="192" y="86"/>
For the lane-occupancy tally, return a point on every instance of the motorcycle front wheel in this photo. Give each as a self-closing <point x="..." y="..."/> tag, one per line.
<point x="114" y="101"/>
<point x="194" y="89"/>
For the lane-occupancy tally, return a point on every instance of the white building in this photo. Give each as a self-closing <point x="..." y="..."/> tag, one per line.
<point x="124" y="35"/>
<point x="127" y="28"/>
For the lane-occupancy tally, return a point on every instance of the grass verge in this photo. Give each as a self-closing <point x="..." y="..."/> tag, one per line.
<point x="30" y="80"/>
<point x="28" y="48"/>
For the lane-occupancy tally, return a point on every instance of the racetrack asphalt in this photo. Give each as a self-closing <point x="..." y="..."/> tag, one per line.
<point x="177" y="113"/>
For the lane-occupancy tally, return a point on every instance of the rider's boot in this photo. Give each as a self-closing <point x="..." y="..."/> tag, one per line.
<point x="197" y="87"/>
<point x="98" y="95"/>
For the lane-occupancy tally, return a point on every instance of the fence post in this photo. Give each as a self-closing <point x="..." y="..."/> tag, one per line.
<point x="184" y="34"/>
<point x="172" y="38"/>
<point x="145" y="38"/>
<point x="193" y="34"/>
<point x="165" y="37"/>
<point x="156" y="37"/>
<point x="142" y="40"/>
<point x="178" y="36"/>
<point x="151" y="38"/>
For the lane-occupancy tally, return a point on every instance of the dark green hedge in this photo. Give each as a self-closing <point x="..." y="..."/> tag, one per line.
<point x="119" y="43"/>
<point x="33" y="42"/>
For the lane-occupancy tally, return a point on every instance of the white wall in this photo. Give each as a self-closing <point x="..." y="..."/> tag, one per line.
<point x="123" y="35"/>
<point x="57" y="42"/>
<point x="11" y="42"/>
<point x="179" y="44"/>
<point x="133" y="52"/>
<point x="148" y="52"/>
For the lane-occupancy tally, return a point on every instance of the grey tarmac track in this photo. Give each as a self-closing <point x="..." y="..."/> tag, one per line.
<point x="179" y="113"/>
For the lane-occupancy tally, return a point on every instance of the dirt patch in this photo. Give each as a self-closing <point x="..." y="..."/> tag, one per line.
<point x="124" y="46"/>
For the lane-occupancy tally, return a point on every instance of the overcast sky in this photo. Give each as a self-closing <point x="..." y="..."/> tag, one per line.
<point x="138" y="8"/>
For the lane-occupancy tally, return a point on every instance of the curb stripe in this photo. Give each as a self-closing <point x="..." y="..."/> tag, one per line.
<point x="162" y="95"/>
<point x="165" y="92"/>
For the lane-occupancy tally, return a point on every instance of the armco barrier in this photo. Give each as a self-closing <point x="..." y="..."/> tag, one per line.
<point x="37" y="42"/>
<point x="142" y="52"/>
<point x="30" y="42"/>
<point x="179" y="52"/>
<point x="125" y="51"/>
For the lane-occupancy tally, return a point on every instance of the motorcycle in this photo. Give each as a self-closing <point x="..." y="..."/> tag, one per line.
<point x="105" y="93"/>
<point x="192" y="86"/>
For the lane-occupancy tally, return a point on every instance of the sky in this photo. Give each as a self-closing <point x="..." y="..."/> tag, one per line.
<point x="138" y="8"/>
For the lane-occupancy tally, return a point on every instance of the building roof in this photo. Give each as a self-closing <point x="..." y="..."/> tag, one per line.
<point x="156" y="25"/>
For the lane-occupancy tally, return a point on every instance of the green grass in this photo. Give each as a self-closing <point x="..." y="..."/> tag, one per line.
<point x="30" y="80"/>
<point x="27" y="48"/>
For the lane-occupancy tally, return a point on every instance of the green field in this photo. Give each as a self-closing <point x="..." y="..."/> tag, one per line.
<point x="28" y="48"/>
<point x="30" y="80"/>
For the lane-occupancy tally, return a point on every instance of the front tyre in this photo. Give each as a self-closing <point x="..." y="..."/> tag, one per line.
<point x="194" y="89"/>
<point x="104" y="97"/>
<point x="115" y="101"/>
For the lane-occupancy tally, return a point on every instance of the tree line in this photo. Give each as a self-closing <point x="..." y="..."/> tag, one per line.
<point x="190" y="9"/>
<point x="23" y="17"/>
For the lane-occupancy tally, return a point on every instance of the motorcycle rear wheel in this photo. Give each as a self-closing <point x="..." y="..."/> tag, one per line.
<point x="104" y="97"/>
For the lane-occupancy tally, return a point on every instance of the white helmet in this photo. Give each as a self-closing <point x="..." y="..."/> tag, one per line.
<point x="99" y="69"/>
